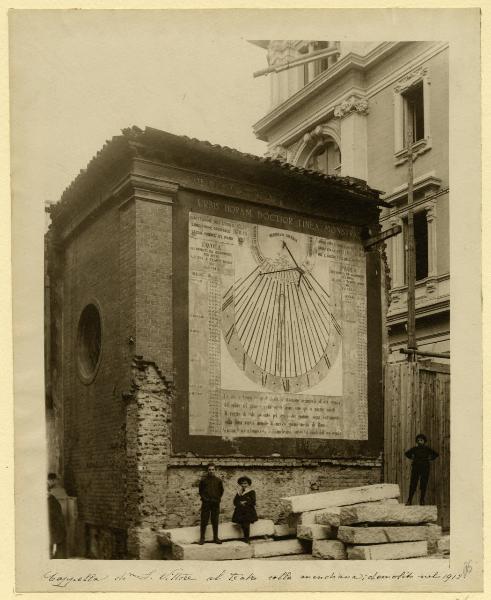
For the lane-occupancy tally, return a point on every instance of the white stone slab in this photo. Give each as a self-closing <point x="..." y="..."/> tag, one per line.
<point x="226" y="531"/>
<point x="330" y="516"/>
<point x="283" y="530"/>
<point x="315" y="532"/>
<point x="355" y="495"/>
<point x="406" y="515"/>
<point x="388" y="551"/>
<point x="227" y="551"/>
<point x="261" y="549"/>
<point x="329" y="549"/>
<point x="382" y="535"/>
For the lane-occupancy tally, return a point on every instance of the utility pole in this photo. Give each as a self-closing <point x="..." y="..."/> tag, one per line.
<point x="411" y="252"/>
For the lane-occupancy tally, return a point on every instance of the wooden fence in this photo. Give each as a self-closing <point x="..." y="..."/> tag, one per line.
<point x="417" y="400"/>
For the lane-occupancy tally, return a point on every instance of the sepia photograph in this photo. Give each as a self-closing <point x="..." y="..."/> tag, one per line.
<point x="242" y="268"/>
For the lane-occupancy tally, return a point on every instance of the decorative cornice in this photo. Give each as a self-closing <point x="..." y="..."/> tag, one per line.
<point x="350" y="105"/>
<point x="410" y="79"/>
<point x="342" y="66"/>
<point x="427" y="182"/>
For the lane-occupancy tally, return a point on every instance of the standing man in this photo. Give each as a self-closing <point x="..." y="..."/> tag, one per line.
<point x="57" y="529"/>
<point x="421" y="455"/>
<point x="211" y="492"/>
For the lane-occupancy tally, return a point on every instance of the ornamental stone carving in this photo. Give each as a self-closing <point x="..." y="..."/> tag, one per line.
<point x="277" y="153"/>
<point x="280" y="51"/>
<point x="350" y="105"/>
<point x="410" y="79"/>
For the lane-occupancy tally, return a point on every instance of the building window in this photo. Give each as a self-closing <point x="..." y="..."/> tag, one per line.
<point x="326" y="158"/>
<point x="313" y="69"/>
<point x="89" y="343"/>
<point x="413" y="100"/>
<point x="412" y="107"/>
<point x="420" y="244"/>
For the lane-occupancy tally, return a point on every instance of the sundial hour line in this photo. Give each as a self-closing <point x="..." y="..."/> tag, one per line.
<point x="258" y="314"/>
<point x="320" y="338"/>
<point x="263" y="327"/>
<point x="300" y="346"/>
<point x="321" y="319"/>
<point x="242" y="306"/>
<point x="309" y="355"/>
<point x="249" y="309"/>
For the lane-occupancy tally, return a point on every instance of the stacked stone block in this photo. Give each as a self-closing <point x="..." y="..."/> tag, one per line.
<point x="366" y="523"/>
<point x="363" y="523"/>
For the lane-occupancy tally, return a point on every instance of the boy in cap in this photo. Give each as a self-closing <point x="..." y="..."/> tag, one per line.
<point x="420" y="455"/>
<point x="211" y="492"/>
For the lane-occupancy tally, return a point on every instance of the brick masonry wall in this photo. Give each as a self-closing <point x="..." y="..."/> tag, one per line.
<point x="270" y="482"/>
<point x="162" y="491"/>
<point x="147" y="454"/>
<point x="154" y="283"/>
<point x="94" y="413"/>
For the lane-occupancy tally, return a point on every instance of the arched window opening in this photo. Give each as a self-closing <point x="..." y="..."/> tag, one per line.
<point x="325" y="158"/>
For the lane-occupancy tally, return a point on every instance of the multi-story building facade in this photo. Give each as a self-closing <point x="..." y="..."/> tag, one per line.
<point x="344" y="108"/>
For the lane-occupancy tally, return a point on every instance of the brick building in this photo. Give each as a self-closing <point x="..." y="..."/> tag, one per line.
<point x="137" y="246"/>
<point x="346" y="112"/>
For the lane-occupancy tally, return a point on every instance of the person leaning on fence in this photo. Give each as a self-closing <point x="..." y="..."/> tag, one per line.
<point x="211" y="492"/>
<point x="421" y="455"/>
<point x="56" y="521"/>
<point x="245" y="506"/>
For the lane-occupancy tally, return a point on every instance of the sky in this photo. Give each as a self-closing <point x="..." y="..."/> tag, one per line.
<point x="79" y="77"/>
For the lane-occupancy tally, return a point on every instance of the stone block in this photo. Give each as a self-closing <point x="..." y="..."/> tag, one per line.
<point x="262" y="549"/>
<point x="316" y="532"/>
<point x="355" y="495"/>
<point x="227" y="551"/>
<point x="434" y="533"/>
<point x="292" y="557"/>
<point x="226" y="531"/>
<point x="382" y="535"/>
<point x="330" y="516"/>
<point x="329" y="549"/>
<point x="443" y="544"/>
<point x="283" y="530"/>
<point x="388" y="551"/>
<point x="405" y="515"/>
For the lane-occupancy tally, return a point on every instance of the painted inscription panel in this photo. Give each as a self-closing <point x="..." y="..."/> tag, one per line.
<point x="277" y="332"/>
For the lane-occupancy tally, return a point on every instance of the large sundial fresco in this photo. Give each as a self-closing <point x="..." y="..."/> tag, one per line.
<point x="277" y="332"/>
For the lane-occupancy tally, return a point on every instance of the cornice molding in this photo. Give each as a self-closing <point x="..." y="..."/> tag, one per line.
<point x="279" y="112"/>
<point x="346" y="63"/>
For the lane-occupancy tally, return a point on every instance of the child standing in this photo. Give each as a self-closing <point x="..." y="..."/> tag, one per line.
<point x="421" y="455"/>
<point x="245" y="506"/>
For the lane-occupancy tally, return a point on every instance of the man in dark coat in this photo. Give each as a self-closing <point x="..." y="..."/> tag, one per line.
<point x="420" y="455"/>
<point x="211" y="492"/>
<point x="56" y="520"/>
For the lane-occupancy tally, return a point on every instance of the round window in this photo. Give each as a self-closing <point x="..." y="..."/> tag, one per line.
<point x="89" y="342"/>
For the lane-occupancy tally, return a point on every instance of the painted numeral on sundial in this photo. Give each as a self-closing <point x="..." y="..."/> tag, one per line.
<point x="243" y="362"/>
<point x="286" y="385"/>
<point x="264" y="378"/>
